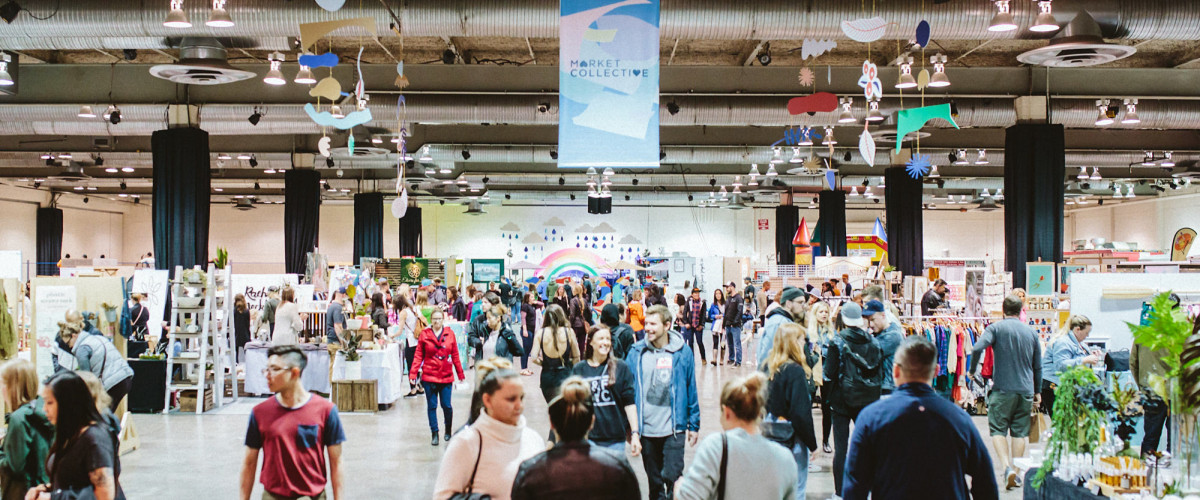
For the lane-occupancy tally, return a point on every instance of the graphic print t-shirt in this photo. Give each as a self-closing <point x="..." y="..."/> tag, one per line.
<point x="609" y="402"/>
<point x="293" y="441"/>
<point x="656" y="393"/>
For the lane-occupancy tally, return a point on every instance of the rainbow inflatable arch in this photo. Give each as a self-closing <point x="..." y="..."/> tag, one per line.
<point x="571" y="259"/>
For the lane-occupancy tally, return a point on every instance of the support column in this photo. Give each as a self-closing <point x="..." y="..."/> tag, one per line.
<point x="182" y="182"/>
<point x="832" y="223"/>
<point x="49" y="240"/>
<point x="905" y="222"/>
<point x="1034" y="173"/>
<point x="301" y="217"/>
<point x="368" y="226"/>
<point x="787" y="219"/>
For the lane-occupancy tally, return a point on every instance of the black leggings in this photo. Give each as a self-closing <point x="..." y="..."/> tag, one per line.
<point x="409" y="352"/>
<point x="119" y="391"/>
<point x="826" y="415"/>
<point x="1048" y="397"/>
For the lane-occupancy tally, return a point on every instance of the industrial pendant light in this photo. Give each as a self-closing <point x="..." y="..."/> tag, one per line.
<point x="847" y="115"/>
<point x="1095" y="174"/>
<point x="1131" y="115"/>
<point x="982" y="159"/>
<point x="1083" y="175"/>
<point x="218" y="17"/>
<point x="425" y="156"/>
<point x="777" y="159"/>
<point x="1045" y="21"/>
<point x="336" y="111"/>
<point x="961" y="157"/>
<point x="906" y="80"/>
<point x="1103" y="119"/>
<point x="85" y="111"/>
<point x="1003" y="20"/>
<point x="6" y="79"/>
<point x="854" y="191"/>
<point x="771" y="172"/>
<point x="874" y="115"/>
<point x="796" y="156"/>
<point x="177" y="18"/>
<point x="806" y="136"/>
<point x="1167" y="162"/>
<point x="305" y="76"/>
<point x="933" y="172"/>
<point x="274" y="76"/>
<point x="828" y="140"/>
<point x="939" y="78"/>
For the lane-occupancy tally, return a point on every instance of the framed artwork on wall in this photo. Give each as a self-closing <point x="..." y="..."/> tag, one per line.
<point x="1040" y="278"/>
<point x="1064" y="275"/>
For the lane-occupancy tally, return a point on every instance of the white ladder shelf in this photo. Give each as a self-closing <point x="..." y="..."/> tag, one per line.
<point x="202" y="328"/>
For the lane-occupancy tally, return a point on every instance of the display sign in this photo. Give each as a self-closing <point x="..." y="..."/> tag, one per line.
<point x="608" y="84"/>
<point x="1181" y="244"/>
<point x="51" y="304"/>
<point x="255" y="287"/>
<point x="764" y="224"/>
<point x="152" y="283"/>
<point x="413" y="271"/>
<point x="487" y="270"/>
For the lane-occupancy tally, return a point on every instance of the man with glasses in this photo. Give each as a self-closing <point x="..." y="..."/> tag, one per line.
<point x="294" y="430"/>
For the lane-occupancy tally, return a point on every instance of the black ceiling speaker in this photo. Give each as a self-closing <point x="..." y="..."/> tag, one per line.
<point x="9" y="11"/>
<point x="329" y="162"/>
<point x="846" y="157"/>
<point x="130" y="54"/>
<point x="466" y="154"/>
<point x="254" y="117"/>
<point x="672" y="107"/>
<point x="553" y="154"/>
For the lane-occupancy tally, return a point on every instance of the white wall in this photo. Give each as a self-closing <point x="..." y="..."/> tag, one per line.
<point x="1151" y="223"/>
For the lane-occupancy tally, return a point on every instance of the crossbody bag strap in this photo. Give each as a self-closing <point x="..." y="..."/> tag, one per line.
<point x="479" y="453"/>
<point x="724" y="466"/>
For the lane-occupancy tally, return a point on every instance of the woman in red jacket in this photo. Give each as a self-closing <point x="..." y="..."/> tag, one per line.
<point x="436" y="360"/>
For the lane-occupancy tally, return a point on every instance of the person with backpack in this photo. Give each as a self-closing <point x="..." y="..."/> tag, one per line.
<point x="739" y="462"/>
<point x="852" y="372"/>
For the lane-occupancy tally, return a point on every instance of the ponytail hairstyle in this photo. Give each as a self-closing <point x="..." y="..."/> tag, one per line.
<point x="746" y="396"/>
<point x="490" y="375"/>
<point x="1076" y="321"/>
<point x="571" y="412"/>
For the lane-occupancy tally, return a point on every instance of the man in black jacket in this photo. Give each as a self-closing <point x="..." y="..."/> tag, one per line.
<point x="694" y="314"/>
<point x="733" y="323"/>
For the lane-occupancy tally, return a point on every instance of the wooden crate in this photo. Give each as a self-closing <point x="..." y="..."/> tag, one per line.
<point x="187" y="400"/>
<point x="355" y="395"/>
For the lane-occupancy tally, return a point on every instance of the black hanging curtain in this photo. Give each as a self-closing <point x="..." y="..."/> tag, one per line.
<point x="410" y="233"/>
<point x="368" y="226"/>
<point x="832" y="223"/>
<point x="905" y="222"/>
<point x="301" y="216"/>
<point x="49" y="240"/>
<point x="181" y="197"/>
<point x="1034" y="169"/>
<point x="787" y="220"/>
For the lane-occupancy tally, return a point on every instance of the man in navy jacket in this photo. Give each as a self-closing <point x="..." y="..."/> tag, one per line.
<point x="917" y="444"/>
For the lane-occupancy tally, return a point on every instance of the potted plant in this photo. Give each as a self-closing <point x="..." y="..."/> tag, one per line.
<point x="193" y="276"/>
<point x="222" y="259"/>
<point x="110" y="312"/>
<point x="353" y="357"/>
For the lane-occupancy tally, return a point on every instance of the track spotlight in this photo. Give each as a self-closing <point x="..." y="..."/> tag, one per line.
<point x="1003" y="20"/>
<point x="572" y="197"/>
<point x="256" y="187"/>
<point x="99" y="160"/>
<point x="466" y="155"/>
<point x="689" y="197"/>
<point x="553" y="154"/>
<point x="672" y="107"/>
<point x="561" y="180"/>
<point x="123" y="185"/>
<point x="255" y="116"/>
<point x="253" y="161"/>
<point x="329" y="162"/>
<point x="37" y="184"/>
<point x="543" y="107"/>
<point x="85" y="199"/>
<point x="507" y="196"/>
<point x="1045" y="21"/>
<point x="764" y="57"/>
<point x="627" y="198"/>
<point x="486" y="179"/>
<point x="846" y="157"/>
<point x="634" y="181"/>
<point x="176" y="18"/>
<point x="113" y="115"/>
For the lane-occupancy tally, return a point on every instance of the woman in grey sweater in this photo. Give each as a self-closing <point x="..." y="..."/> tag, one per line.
<point x="755" y="467"/>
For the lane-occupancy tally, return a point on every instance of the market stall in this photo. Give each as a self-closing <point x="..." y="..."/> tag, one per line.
<point x="383" y="366"/>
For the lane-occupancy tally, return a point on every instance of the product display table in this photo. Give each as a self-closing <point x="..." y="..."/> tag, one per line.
<point x="383" y="366"/>
<point x="314" y="378"/>
<point x="1054" y="488"/>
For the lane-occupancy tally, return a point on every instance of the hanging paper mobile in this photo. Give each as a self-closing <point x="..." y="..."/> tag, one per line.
<point x="814" y="48"/>
<point x="923" y="34"/>
<point x="869" y="81"/>
<point x="918" y="165"/>
<point x="865" y="30"/>
<point x="866" y="147"/>
<point x="807" y="78"/>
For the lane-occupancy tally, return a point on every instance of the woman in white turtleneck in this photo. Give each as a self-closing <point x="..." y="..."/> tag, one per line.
<point x="496" y="421"/>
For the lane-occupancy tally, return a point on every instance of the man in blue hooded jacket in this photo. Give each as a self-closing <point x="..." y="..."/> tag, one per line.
<point x="668" y="408"/>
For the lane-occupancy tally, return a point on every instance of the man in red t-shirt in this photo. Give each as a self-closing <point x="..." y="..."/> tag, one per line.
<point x="294" y="429"/>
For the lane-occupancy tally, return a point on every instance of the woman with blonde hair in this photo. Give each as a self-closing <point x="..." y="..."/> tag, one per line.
<point x="594" y="472"/>
<point x="1066" y="350"/>
<point x="555" y="350"/>
<point x="754" y="467"/>
<point x="821" y="332"/>
<point x="483" y="457"/>
<point x="27" y="442"/>
<point x="790" y="396"/>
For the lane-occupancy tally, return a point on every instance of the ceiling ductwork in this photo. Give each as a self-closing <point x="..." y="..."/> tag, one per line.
<point x="688" y="20"/>
<point x="202" y="61"/>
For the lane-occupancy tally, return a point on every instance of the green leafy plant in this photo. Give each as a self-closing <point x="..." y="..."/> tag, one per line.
<point x="1081" y="408"/>
<point x="222" y="259"/>
<point x="350" y="346"/>
<point x="1129" y="407"/>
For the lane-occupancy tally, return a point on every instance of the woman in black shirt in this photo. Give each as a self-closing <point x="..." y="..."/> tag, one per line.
<point x="611" y="383"/>
<point x="84" y="453"/>
<point x="529" y="312"/>
<point x="241" y="324"/>
<point x="139" y="317"/>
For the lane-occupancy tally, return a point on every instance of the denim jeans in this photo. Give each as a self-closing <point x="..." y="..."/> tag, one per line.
<point x="800" y="452"/>
<point x="616" y="446"/>
<point x="663" y="459"/>
<point x="733" y="338"/>
<point x="695" y="336"/>
<point x="433" y="393"/>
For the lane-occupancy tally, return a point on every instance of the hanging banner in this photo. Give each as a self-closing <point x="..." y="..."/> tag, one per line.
<point x="413" y="271"/>
<point x="1181" y="244"/>
<point x="608" y="84"/>
<point x="50" y="304"/>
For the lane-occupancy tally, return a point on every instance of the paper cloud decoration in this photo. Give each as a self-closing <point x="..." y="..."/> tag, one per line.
<point x="604" y="227"/>
<point x="819" y="102"/>
<point x="533" y="238"/>
<point x="326" y="60"/>
<point x="865" y="30"/>
<point x="510" y="228"/>
<point x="554" y="222"/>
<point x="629" y="239"/>
<point x="584" y="229"/>
<point x="814" y="48"/>
<point x="326" y="119"/>
<point x="328" y="88"/>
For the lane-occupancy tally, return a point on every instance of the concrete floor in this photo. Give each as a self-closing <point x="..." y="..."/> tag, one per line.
<point x="387" y="455"/>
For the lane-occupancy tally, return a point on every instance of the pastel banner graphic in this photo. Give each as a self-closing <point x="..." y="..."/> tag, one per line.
<point x="608" y="84"/>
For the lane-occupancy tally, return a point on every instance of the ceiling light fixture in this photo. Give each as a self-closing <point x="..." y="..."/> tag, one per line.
<point x="127" y="170"/>
<point x="274" y="76"/>
<point x="1045" y="21"/>
<point x="5" y="78"/>
<point x="1103" y="119"/>
<point x="796" y="156"/>
<point x="806" y="136"/>
<point x="874" y="115"/>
<point x="847" y="114"/>
<point x="1083" y="175"/>
<point x="218" y="17"/>
<point x="425" y="156"/>
<point x="64" y="156"/>
<point x="253" y="161"/>
<point x="466" y="155"/>
<point x="243" y="156"/>
<point x="939" y="78"/>
<point x="724" y="195"/>
<point x="987" y="193"/>
<point x="1095" y="174"/>
<point x="933" y="172"/>
<point x="608" y="172"/>
<point x="1131" y="116"/>
<point x="961" y="157"/>
<point x="376" y="140"/>
<point x="906" y="80"/>
<point x="828" y="140"/>
<point x="777" y="159"/>
<point x="255" y="116"/>
<point x="223" y="156"/>
<point x="336" y="111"/>
<point x="1167" y="161"/>
<point x="1003" y="20"/>
<point x="177" y="18"/>
<point x="737" y="181"/>
<point x="771" y="172"/>
<point x="1148" y="159"/>
<point x="112" y="170"/>
<point x="982" y="158"/>
<point x="269" y="170"/>
<point x="853" y="191"/>
<point x="445" y="169"/>
<point x="85" y="111"/>
<point x="1129" y="191"/>
<point x="113" y="114"/>
<point x="305" y="76"/>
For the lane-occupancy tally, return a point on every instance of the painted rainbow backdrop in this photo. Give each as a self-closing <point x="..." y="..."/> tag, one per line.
<point x="571" y="259"/>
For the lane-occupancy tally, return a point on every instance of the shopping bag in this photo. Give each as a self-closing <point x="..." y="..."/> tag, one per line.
<point x="1039" y="423"/>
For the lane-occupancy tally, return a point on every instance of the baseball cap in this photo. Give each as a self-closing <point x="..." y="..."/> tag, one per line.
<point x="695" y="290"/>
<point x="342" y="290"/>
<point x="732" y="284"/>
<point x="873" y="307"/>
<point x="852" y="315"/>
